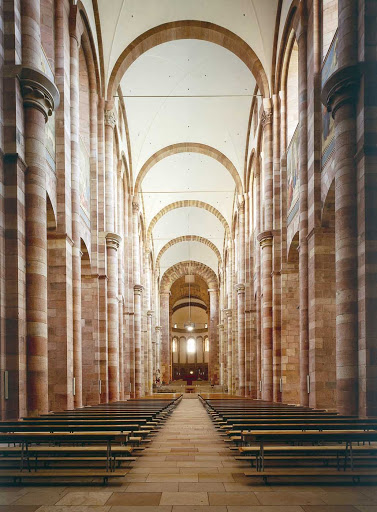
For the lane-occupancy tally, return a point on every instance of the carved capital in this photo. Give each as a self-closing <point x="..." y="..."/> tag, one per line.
<point x="240" y="288"/>
<point x="341" y="88"/>
<point x="241" y="206"/>
<point x="266" y="117"/>
<point x="138" y="289"/>
<point x="149" y="313"/>
<point x="228" y="313"/>
<point x="110" y="118"/>
<point x="135" y="207"/>
<point x="38" y="91"/>
<point x="265" y="238"/>
<point x="158" y="328"/>
<point x="213" y="290"/>
<point x="113" y="240"/>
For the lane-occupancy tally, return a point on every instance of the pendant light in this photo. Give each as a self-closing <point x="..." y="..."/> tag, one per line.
<point x="189" y="326"/>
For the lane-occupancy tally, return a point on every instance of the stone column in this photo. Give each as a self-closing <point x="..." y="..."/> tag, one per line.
<point x="228" y="314"/>
<point x="212" y="335"/>
<point x="276" y="262"/>
<point x="340" y="95"/>
<point x="138" y="291"/>
<point x="240" y="288"/>
<point x="112" y="244"/>
<point x="222" y="354"/>
<point x="76" y="217"/>
<point x="40" y="96"/>
<point x="158" y="348"/>
<point x="303" y="227"/>
<point x="258" y="286"/>
<point x="165" y="337"/>
<point x="265" y="239"/>
<point x="150" y="353"/>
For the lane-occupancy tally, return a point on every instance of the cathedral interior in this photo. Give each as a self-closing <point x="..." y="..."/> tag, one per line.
<point x="188" y="236"/>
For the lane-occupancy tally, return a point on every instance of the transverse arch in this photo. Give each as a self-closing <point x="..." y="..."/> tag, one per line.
<point x="188" y="147"/>
<point x="188" y="29"/>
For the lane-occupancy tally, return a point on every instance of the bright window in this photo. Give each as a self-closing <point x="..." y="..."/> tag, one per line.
<point x="174" y="345"/>
<point x="191" y="346"/>
<point x="206" y="345"/>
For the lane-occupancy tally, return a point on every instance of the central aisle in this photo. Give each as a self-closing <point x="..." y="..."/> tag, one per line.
<point x="188" y="468"/>
<point x="190" y="464"/>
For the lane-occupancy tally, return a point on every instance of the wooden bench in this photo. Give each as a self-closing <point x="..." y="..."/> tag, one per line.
<point x="293" y="436"/>
<point x="19" y="476"/>
<point x="28" y="438"/>
<point x="355" y="474"/>
<point x="315" y="452"/>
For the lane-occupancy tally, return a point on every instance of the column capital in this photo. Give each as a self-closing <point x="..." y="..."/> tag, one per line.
<point x="149" y="313"/>
<point x="138" y="289"/>
<point x="265" y="238"/>
<point x="38" y="91"/>
<point x="341" y="88"/>
<point x="213" y="290"/>
<point x="241" y="206"/>
<point x="113" y="240"/>
<point x="135" y="207"/>
<point x="240" y="288"/>
<point x="110" y="117"/>
<point x="266" y="117"/>
<point x="228" y="312"/>
<point x="158" y="328"/>
<point x="221" y="326"/>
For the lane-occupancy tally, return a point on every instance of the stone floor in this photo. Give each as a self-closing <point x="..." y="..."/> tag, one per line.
<point x="187" y="468"/>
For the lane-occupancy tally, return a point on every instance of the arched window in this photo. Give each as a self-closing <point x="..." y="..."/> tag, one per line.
<point x="206" y="345"/>
<point x="191" y="346"/>
<point x="174" y="345"/>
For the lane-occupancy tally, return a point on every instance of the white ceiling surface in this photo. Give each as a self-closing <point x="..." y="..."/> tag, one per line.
<point x="189" y="251"/>
<point x="188" y="68"/>
<point x="252" y="20"/>
<point x="188" y="221"/>
<point x="188" y="176"/>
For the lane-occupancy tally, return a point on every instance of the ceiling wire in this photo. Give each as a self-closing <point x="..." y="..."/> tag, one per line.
<point x="188" y="96"/>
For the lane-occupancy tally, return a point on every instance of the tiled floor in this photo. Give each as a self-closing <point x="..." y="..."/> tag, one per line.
<point x="188" y="468"/>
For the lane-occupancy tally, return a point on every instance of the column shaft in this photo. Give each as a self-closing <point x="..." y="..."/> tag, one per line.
<point x="165" y="337"/>
<point x="303" y="230"/>
<point x="76" y="219"/>
<point x="213" y="337"/>
<point x="265" y="239"/>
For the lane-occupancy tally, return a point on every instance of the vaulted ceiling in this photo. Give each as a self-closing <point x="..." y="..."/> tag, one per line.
<point x="187" y="97"/>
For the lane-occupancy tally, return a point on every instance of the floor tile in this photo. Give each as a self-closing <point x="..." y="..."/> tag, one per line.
<point x="135" y="498"/>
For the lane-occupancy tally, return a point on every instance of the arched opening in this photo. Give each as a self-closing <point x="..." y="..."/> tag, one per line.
<point x="189" y="304"/>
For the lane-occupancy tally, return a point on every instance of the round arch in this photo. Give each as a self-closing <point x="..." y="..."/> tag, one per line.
<point x="188" y="29"/>
<point x="188" y="147"/>
<point x="184" y="268"/>
<point x="186" y="204"/>
<point x="188" y="238"/>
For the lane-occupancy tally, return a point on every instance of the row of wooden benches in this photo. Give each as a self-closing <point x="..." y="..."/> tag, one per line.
<point x="278" y="439"/>
<point x="79" y="443"/>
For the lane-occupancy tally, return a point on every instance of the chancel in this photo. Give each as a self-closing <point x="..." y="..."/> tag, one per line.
<point x="188" y="247"/>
